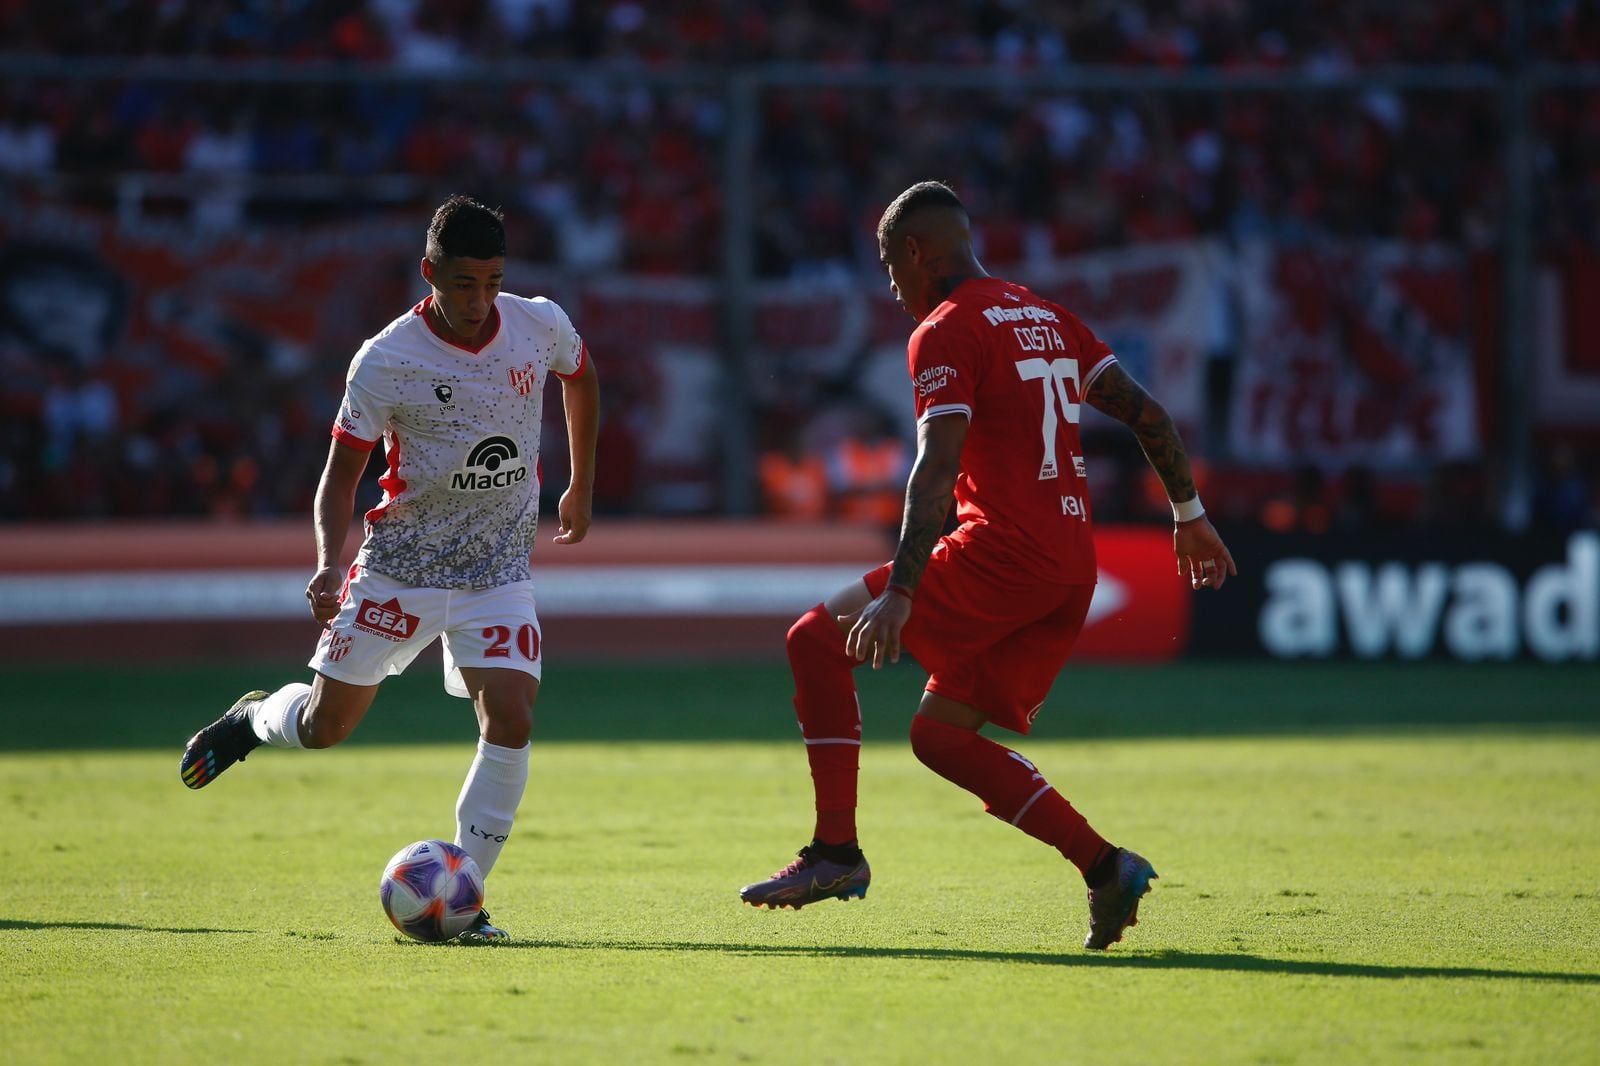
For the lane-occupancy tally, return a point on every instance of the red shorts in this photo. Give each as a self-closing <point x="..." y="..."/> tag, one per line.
<point x="990" y="635"/>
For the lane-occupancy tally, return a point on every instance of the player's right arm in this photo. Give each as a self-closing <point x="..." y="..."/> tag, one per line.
<point x="1202" y="557"/>
<point x="930" y="490"/>
<point x="336" y="500"/>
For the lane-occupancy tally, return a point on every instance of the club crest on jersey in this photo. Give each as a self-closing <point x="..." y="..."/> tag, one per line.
<point x="387" y="619"/>
<point x="524" y="379"/>
<point x="493" y="463"/>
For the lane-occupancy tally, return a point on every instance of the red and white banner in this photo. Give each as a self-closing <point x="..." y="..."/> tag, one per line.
<point x="1353" y="354"/>
<point x="1566" y="374"/>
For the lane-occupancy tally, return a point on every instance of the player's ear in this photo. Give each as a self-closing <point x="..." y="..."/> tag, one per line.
<point x="427" y="270"/>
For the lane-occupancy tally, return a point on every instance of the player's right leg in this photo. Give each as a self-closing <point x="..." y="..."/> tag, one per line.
<point x="381" y="626"/>
<point x="297" y="715"/>
<point x="831" y="866"/>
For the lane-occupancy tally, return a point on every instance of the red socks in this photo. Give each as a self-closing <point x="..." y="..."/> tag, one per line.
<point x="1010" y="787"/>
<point x="830" y="719"/>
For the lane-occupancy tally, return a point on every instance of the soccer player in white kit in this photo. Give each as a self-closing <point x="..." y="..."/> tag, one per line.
<point x="454" y="389"/>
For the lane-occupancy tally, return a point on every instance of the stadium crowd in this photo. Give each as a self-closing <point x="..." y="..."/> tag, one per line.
<point x="1318" y="34"/>
<point x="611" y="177"/>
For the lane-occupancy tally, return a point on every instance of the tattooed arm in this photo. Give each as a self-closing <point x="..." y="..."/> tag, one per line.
<point x="876" y="631"/>
<point x="1202" y="557"/>
<point x="1116" y="394"/>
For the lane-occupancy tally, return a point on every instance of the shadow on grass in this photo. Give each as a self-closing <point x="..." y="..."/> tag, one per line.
<point x="18" y="923"/>
<point x="1157" y="960"/>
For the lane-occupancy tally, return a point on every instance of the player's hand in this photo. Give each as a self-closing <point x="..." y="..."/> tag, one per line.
<point x="876" y="629"/>
<point x="1202" y="557"/>
<point x="575" y="511"/>
<point x="323" y="593"/>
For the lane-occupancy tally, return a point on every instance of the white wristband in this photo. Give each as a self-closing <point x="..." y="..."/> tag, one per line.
<point x="1188" y="510"/>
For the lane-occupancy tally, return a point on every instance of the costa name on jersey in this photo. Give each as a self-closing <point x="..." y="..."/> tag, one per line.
<point x="460" y="429"/>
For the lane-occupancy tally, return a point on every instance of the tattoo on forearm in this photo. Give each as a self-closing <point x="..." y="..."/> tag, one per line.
<point x="1116" y="394"/>
<point x="927" y="506"/>
<point x="1167" y="457"/>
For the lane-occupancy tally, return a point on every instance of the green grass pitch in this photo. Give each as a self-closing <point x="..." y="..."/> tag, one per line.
<point x="1358" y="864"/>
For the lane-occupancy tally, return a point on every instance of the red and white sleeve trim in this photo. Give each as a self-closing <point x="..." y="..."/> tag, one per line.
<point x="583" y="358"/>
<point x="946" y="409"/>
<point x="1096" y="370"/>
<point x="360" y="444"/>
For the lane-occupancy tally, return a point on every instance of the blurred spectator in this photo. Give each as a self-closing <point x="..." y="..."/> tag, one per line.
<point x="794" y="482"/>
<point x="1305" y="509"/>
<point x="867" y="471"/>
<point x="1565" y="497"/>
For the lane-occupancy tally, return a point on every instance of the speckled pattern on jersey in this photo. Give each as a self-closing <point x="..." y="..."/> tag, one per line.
<point x="460" y="431"/>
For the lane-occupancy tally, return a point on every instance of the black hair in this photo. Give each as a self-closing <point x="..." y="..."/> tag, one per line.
<point x="921" y="195"/>
<point x="464" y="227"/>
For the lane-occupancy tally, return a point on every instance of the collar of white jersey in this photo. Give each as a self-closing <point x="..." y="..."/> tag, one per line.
<point x="421" y="311"/>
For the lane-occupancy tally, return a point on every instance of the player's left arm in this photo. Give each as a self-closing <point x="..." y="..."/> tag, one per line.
<point x="1202" y="556"/>
<point x="929" y="492"/>
<point x="580" y="397"/>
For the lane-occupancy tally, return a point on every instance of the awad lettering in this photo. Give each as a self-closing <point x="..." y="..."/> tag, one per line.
<point x="1471" y="611"/>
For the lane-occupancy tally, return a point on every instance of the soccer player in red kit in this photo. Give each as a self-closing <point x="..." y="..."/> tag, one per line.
<point x="991" y="611"/>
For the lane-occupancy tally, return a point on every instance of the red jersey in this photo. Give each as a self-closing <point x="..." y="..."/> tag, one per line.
<point x="1017" y="367"/>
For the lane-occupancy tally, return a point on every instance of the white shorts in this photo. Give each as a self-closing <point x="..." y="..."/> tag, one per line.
<point x="382" y="624"/>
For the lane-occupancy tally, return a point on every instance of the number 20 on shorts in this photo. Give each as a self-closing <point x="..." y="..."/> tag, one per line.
<point x="499" y="638"/>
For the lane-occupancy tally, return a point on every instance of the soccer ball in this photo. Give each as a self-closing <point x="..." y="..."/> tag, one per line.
<point x="431" y="890"/>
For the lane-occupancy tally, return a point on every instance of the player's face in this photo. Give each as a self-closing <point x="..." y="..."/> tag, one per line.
<point x="464" y="290"/>
<point x="907" y="279"/>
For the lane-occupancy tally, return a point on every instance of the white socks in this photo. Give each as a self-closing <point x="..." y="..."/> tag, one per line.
<point x="488" y="801"/>
<point x="489" y="796"/>
<point x="276" y="719"/>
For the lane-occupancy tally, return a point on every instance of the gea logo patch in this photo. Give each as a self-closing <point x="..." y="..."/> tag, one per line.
<point x="493" y="463"/>
<point x="387" y="619"/>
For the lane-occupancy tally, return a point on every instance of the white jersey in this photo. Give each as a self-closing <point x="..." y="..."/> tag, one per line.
<point x="460" y="429"/>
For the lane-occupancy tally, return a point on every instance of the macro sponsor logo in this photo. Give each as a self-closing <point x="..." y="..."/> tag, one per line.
<point x="387" y="619"/>
<point x="493" y="463"/>
<point x="1472" y="611"/>
<point x="933" y="379"/>
<point x="998" y="315"/>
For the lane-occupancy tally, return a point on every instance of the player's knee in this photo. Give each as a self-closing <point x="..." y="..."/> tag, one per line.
<point x="507" y="721"/>
<point x="935" y="743"/>
<point x="814" y="631"/>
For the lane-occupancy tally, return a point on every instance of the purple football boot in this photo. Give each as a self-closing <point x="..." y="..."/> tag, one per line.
<point x="810" y="878"/>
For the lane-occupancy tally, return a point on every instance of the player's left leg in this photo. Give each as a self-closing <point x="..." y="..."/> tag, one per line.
<point x="1006" y="685"/>
<point x="493" y="657"/>
<point x="487" y="805"/>
<point x="945" y="738"/>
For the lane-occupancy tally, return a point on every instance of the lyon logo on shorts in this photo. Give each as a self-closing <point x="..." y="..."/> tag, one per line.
<point x="523" y="380"/>
<point x="386" y="619"/>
